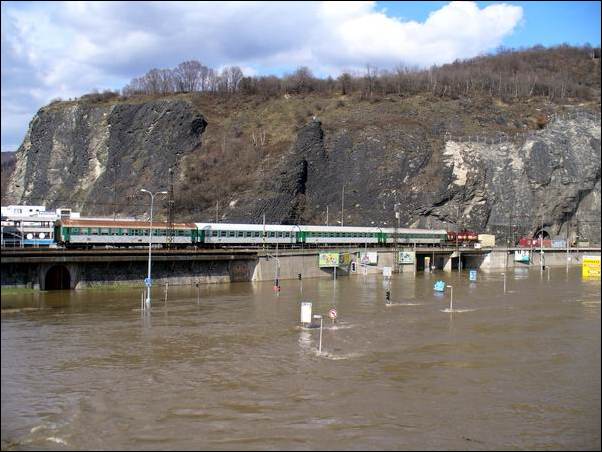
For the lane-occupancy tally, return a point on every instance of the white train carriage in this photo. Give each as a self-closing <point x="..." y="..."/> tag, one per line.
<point x="410" y="236"/>
<point x="246" y="234"/>
<point x="95" y="232"/>
<point x="319" y="235"/>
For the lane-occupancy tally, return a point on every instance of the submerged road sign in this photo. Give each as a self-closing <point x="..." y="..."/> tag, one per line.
<point x="332" y="313"/>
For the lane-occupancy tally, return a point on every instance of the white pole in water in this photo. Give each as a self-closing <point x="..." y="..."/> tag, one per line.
<point x="166" y="289"/>
<point x="451" y="300"/>
<point x="317" y="316"/>
<point x="150" y="240"/>
<point x="548" y="269"/>
<point x="504" y="282"/>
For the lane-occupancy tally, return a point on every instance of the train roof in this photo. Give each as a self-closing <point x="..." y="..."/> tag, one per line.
<point x="414" y="231"/>
<point x="310" y="228"/>
<point x="247" y="227"/>
<point x="97" y="223"/>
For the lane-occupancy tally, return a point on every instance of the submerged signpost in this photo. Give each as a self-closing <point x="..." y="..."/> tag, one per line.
<point x="451" y="299"/>
<point x="318" y="316"/>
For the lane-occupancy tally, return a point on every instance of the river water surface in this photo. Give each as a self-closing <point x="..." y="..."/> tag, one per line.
<point x="229" y="367"/>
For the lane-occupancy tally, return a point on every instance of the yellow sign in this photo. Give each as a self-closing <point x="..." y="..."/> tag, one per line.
<point x="590" y="267"/>
<point x="329" y="260"/>
<point x="345" y="259"/>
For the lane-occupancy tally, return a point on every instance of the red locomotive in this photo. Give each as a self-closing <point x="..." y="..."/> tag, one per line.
<point x="463" y="238"/>
<point x="526" y="242"/>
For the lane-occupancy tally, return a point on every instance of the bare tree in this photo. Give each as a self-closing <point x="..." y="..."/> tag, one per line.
<point x="188" y="76"/>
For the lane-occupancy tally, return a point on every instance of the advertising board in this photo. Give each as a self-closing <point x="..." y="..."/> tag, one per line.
<point x="328" y="260"/>
<point x="407" y="257"/>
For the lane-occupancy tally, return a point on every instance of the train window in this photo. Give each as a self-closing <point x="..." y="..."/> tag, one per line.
<point x="231" y="233"/>
<point x="94" y="231"/>
<point x="279" y="234"/>
<point x="213" y="233"/>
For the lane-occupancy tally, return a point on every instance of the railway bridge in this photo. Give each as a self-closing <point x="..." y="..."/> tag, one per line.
<point x="47" y="269"/>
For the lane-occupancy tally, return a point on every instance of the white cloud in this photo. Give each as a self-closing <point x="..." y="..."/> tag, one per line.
<point x="56" y="49"/>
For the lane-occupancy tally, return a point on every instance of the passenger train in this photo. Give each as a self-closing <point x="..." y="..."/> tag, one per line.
<point x="88" y="233"/>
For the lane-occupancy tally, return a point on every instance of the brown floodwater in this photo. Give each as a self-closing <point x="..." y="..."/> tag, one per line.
<point x="229" y="367"/>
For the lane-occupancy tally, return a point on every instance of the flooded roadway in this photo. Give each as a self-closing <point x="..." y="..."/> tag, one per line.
<point x="228" y="367"/>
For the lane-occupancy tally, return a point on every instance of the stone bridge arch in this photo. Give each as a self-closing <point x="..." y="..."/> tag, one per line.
<point x="57" y="277"/>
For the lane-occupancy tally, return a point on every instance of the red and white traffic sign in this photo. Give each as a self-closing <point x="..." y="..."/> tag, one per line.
<point x="332" y="313"/>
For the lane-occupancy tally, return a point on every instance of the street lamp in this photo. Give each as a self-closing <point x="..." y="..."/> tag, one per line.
<point x="150" y="241"/>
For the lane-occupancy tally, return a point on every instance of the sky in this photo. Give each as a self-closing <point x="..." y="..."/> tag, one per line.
<point x="66" y="49"/>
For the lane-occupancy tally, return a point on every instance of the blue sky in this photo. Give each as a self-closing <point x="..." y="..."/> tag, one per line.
<point x="546" y="23"/>
<point x="66" y="49"/>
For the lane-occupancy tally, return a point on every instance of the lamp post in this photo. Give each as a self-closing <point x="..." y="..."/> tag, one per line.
<point x="150" y="242"/>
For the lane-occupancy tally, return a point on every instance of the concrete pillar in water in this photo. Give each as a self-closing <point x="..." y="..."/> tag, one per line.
<point x="447" y="263"/>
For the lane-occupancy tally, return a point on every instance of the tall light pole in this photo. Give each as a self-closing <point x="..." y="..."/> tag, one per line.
<point x="150" y="242"/>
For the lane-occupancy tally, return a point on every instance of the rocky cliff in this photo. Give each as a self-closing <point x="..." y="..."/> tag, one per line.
<point x="95" y="157"/>
<point x="451" y="164"/>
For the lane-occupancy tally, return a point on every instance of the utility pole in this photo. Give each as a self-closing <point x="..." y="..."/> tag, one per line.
<point x="114" y="194"/>
<point x="343" y="207"/>
<point x="217" y="211"/>
<point x="326" y="215"/>
<point x="397" y="216"/>
<point x="170" y="210"/>
<point x="263" y="235"/>
<point x="541" y="245"/>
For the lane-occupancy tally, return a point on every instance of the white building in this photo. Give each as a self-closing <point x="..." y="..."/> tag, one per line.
<point x="31" y="225"/>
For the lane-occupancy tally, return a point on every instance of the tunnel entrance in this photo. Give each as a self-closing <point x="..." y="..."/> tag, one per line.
<point x="542" y="234"/>
<point x="57" y="278"/>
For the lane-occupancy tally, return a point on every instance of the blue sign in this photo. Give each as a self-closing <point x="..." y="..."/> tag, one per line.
<point x="472" y="275"/>
<point x="148" y="282"/>
<point x="439" y="286"/>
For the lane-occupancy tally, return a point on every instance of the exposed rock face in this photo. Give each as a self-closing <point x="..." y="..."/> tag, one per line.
<point x="551" y="178"/>
<point x="86" y="155"/>
<point x="549" y="181"/>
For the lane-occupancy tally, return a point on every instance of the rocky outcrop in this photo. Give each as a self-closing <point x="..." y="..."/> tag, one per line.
<point x="549" y="179"/>
<point x="86" y="156"/>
